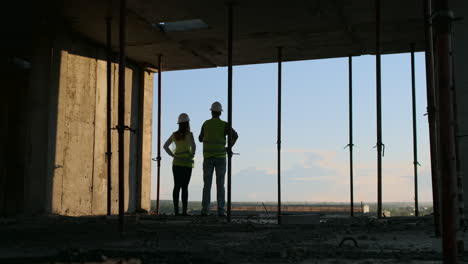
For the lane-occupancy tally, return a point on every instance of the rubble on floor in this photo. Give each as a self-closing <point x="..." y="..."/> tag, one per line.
<point x="195" y="239"/>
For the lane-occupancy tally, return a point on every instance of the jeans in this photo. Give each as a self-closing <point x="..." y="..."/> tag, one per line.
<point x="181" y="181"/>
<point x="209" y="165"/>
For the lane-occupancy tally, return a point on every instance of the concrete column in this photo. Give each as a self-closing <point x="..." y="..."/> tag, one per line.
<point x="145" y="141"/>
<point x="460" y="44"/>
<point x="36" y="134"/>
<point x="12" y="130"/>
<point x="132" y="83"/>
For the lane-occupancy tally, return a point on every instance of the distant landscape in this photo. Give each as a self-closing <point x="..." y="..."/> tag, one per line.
<point x="390" y="209"/>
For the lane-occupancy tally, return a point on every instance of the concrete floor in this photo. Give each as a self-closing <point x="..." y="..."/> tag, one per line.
<point x="166" y="239"/>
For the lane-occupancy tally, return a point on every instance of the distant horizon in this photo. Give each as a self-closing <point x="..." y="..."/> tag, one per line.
<point x="289" y="202"/>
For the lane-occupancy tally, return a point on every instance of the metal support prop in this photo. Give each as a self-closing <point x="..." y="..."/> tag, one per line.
<point x="109" y="113"/>
<point x="158" y="158"/>
<point x="121" y="110"/>
<point x="280" y="60"/>
<point x="351" y="144"/>
<point x="229" y="168"/>
<point x="379" y="109"/>
<point x="431" y="113"/>
<point x="415" y="136"/>
<point x="442" y="21"/>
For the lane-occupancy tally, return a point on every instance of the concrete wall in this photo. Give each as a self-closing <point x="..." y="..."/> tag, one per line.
<point x="38" y="100"/>
<point x="79" y="177"/>
<point x="460" y="46"/>
<point x="53" y="144"/>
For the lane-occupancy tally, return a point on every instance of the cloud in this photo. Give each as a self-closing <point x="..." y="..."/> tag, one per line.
<point x="268" y="171"/>
<point x="314" y="175"/>
<point x="317" y="175"/>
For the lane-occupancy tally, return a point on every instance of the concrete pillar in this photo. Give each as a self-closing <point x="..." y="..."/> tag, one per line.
<point x="12" y="130"/>
<point x="37" y="126"/>
<point x="460" y="44"/>
<point x="145" y="141"/>
<point x="132" y="83"/>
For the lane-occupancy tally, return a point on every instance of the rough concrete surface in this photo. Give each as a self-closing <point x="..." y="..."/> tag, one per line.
<point x="193" y="239"/>
<point x="306" y="29"/>
<point x="146" y="140"/>
<point x="79" y="175"/>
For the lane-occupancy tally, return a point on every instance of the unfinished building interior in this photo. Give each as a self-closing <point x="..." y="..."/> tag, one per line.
<point x="77" y="106"/>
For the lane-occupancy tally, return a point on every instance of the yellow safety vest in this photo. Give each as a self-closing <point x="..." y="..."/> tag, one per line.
<point x="214" y="140"/>
<point x="183" y="152"/>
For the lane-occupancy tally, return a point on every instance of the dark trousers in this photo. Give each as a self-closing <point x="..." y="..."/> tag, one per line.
<point x="182" y="176"/>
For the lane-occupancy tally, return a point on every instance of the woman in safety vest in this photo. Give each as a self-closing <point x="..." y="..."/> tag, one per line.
<point x="183" y="161"/>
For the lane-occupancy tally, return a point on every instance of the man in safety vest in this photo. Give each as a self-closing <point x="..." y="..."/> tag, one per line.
<point x="213" y="134"/>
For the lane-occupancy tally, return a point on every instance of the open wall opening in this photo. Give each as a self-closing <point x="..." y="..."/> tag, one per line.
<point x="315" y="132"/>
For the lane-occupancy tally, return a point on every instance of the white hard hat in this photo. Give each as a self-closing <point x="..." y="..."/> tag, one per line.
<point x="216" y="107"/>
<point x="183" y="118"/>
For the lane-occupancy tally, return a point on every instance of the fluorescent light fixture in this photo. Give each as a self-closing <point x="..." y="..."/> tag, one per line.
<point x="183" y="25"/>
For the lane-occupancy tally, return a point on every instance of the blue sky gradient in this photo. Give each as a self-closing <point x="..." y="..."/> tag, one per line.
<point x="315" y="128"/>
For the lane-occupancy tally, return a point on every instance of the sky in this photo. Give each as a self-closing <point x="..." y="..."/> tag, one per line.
<point x="315" y="162"/>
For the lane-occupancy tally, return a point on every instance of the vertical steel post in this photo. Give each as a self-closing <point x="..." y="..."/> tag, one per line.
<point x="442" y="21"/>
<point x="158" y="158"/>
<point x="280" y="60"/>
<point x="431" y="113"/>
<point x="229" y="168"/>
<point x="109" y="113"/>
<point x="379" y="109"/>
<point x="415" y="136"/>
<point x="351" y="144"/>
<point x="121" y="110"/>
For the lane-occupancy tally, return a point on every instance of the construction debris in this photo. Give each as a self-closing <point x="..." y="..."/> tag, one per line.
<point x="194" y="239"/>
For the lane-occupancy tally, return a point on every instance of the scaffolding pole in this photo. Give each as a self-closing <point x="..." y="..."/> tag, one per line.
<point x="229" y="167"/>
<point x="109" y="113"/>
<point x="442" y="21"/>
<point x="379" y="108"/>
<point x="431" y="113"/>
<point x="415" y="134"/>
<point x="280" y="60"/>
<point x="351" y="144"/>
<point x="121" y="110"/>
<point x="158" y="158"/>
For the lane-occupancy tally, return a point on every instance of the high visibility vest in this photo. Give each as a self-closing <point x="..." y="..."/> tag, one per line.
<point x="183" y="152"/>
<point x="214" y="140"/>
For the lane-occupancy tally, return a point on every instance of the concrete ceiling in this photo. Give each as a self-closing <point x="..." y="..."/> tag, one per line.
<point x="307" y="29"/>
